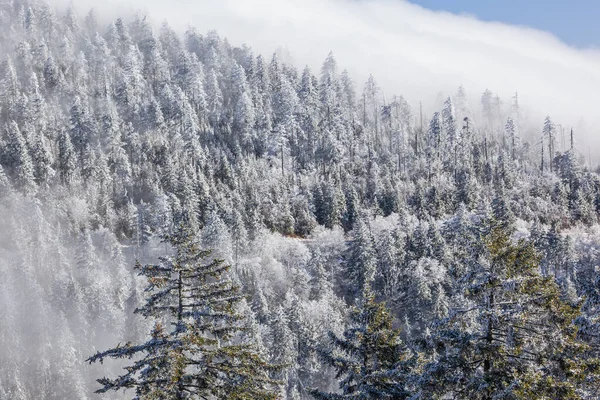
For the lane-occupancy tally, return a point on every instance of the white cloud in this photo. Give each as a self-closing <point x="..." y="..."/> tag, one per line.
<point x="410" y="50"/>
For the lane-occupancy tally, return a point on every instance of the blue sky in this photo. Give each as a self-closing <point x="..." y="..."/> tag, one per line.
<point x="575" y="22"/>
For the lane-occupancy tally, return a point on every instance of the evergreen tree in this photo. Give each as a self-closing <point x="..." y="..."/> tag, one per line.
<point x="284" y="346"/>
<point x="370" y="360"/>
<point x="18" y="160"/>
<point x="198" y="357"/>
<point x="451" y="134"/>
<point x="434" y="145"/>
<point x="515" y="339"/>
<point x="391" y="256"/>
<point x="361" y="262"/>
<point x="512" y="136"/>
<point x="42" y="160"/>
<point x="549" y="137"/>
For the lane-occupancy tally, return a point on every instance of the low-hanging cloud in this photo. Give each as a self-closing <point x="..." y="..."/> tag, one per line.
<point x="410" y="50"/>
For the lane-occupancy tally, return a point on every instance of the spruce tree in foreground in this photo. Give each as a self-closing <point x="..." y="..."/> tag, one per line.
<point x="194" y="358"/>
<point x="370" y="359"/>
<point x="516" y="339"/>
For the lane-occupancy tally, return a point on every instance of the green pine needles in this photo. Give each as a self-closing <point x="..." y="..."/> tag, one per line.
<point x="195" y="350"/>
<point x="370" y="359"/>
<point x="514" y="340"/>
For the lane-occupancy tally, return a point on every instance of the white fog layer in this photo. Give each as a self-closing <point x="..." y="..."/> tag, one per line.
<point x="409" y="49"/>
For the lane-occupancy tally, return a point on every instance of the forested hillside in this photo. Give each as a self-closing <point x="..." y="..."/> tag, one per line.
<point x="380" y="250"/>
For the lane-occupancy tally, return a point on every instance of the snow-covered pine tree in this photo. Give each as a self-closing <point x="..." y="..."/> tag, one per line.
<point x="515" y="339"/>
<point x="361" y="261"/>
<point x="549" y="137"/>
<point x="198" y="357"/>
<point x="18" y="160"/>
<point x="370" y="360"/>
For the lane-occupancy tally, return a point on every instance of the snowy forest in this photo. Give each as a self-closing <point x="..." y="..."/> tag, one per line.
<point x="183" y="218"/>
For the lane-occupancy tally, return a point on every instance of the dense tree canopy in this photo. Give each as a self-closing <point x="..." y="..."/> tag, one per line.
<point x="315" y="189"/>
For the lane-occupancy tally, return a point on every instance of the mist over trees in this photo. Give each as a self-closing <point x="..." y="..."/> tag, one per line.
<point x="377" y="250"/>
